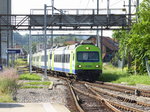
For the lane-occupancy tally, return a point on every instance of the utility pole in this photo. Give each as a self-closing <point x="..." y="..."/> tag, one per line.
<point x="30" y="51"/>
<point x="108" y="12"/>
<point x="0" y="48"/>
<point x="45" y="38"/>
<point x="129" y="13"/>
<point x="129" y="25"/>
<point x="137" y="10"/>
<point x="97" y="32"/>
<point x="7" y="32"/>
<point x="52" y="26"/>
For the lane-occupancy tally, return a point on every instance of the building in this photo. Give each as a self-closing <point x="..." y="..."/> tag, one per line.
<point x="5" y="36"/>
<point x="110" y="47"/>
<point x="70" y="42"/>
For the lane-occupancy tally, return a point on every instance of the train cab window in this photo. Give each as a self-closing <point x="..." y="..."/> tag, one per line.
<point x="85" y="56"/>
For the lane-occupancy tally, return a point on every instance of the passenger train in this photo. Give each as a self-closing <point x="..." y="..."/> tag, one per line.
<point x="81" y="60"/>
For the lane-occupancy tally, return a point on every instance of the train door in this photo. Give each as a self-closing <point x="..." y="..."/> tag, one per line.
<point x="71" y="61"/>
<point x="63" y="60"/>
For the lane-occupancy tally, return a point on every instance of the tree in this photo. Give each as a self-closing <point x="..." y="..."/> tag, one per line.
<point x="140" y="37"/>
<point x="137" y="41"/>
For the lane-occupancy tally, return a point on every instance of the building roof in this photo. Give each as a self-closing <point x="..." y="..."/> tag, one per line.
<point x="70" y="42"/>
<point x="107" y="42"/>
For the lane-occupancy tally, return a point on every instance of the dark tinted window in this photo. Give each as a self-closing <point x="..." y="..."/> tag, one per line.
<point x="65" y="58"/>
<point x="85" y="56"/>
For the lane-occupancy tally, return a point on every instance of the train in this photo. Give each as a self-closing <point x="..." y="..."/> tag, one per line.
<point x="82" y="61"/>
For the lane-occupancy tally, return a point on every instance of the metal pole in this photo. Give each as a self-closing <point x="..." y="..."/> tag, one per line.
<point x="7" y="33"/>
<point x="45" y="37"/>
<point x="52" y="26"/>
<point x="0" y="48"/>
<point x="52" y="8"/>
<point x="137" y="10"/>
<point x="30" y="51"/>
<point x="98" y="38"/>
<point x="129" y="23"/>
<point x="101" y="42"/>
<point x="97" y="7"/>
<point x="108" y="8"/>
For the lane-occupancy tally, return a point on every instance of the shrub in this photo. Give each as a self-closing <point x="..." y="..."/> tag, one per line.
<point x="8" y="81"/>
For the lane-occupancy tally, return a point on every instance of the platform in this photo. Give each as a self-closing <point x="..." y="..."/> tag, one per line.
<point x="32" y="107"/>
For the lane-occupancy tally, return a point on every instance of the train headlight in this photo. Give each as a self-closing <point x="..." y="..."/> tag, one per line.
<point x="79" y="66"/>
<point x="88" y="48"/>
<point x="97" y="66"/>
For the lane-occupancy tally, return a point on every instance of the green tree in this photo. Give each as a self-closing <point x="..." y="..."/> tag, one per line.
<point x="140" y="37"/>
<point x="137" y="42"/>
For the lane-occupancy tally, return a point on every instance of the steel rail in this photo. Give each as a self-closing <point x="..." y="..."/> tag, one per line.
<point x="75" y="98"/>
<point x="137" y="92"/>
<point x="121" y="98"/>
<point x="105" y="101"/>
<point x="120" y="86"/>
<point x="112" y="103"/>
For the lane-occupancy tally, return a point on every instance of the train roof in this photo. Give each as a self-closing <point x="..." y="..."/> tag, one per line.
<point x="69" y="47"/>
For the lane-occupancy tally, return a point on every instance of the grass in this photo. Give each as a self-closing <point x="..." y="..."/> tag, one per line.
<point x="20" y="62"/>
<point x="117" y="75"/>
<point x="5" y="98"/>
<point x="135" y="79"/>
<point x="27" y="87"/>
<point x="38" y="83"/>
<point x="34" y="84"/>
<point x="28" y="76"/>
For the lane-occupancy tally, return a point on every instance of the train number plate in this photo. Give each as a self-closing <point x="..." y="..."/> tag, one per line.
<point x="88" y="66"/>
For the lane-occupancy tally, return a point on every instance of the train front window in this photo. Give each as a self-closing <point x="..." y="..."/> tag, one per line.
<point x="88" y="56"/>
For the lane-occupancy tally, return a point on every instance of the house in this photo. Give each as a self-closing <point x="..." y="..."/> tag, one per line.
<point x="109" y="46"/>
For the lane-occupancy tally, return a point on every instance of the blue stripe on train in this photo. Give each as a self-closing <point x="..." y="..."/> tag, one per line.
<point x="61" y="69"/>
<point x="43" y="67"/>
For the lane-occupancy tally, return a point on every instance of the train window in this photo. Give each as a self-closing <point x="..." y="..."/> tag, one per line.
<point x="88" y="56"/>
<point x="73" y="57"/>
<point x="37" y="59"/>
<point x="55" y="58"/>
<point x="43" y="58"/>
<point x="67" y="58"/>
<point x="63" y="58"/>
<point x="50" y="55"/>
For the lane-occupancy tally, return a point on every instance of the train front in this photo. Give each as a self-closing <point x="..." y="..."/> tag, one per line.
<point x="88" y="64"/>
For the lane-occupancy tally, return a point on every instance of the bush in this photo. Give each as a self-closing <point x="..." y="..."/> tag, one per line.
<point x="8" y="81"/>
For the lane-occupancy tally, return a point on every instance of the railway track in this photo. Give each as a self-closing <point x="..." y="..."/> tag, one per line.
<point x="92" y="97"/>
<point x="125" y="89"/>
<point x="85" y="100"/>
<point x="114" y="102"/>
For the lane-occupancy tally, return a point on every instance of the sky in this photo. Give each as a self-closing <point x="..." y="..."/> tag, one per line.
<point x="24" y="6"/>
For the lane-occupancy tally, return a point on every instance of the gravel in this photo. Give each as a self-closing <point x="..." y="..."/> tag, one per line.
<point x="59" y="94"/>
<point x="56" y="95"/>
